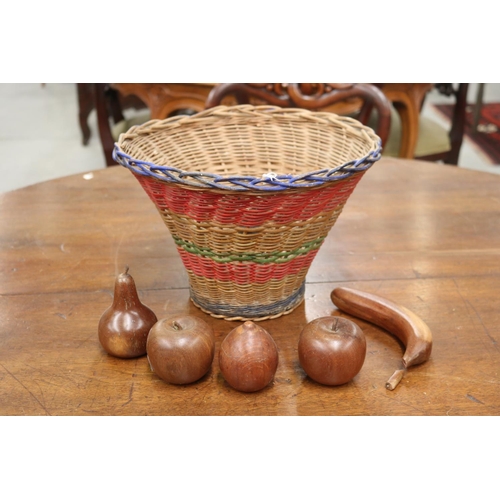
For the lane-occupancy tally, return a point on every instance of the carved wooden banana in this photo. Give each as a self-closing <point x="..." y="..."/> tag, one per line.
<point x="396" y="319"/>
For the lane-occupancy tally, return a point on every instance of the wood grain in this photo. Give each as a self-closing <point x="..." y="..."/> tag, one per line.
<point x="423" y="235"/>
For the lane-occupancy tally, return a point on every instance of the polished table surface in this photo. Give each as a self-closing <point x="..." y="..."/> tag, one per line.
<point x="424" y="235"/>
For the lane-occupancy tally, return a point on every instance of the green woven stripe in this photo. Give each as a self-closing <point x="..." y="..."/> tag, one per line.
<point x="258" y="258"/>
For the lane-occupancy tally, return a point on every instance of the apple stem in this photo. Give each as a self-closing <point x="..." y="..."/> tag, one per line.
<point x="336" y="326"/>
<point x="176" y="326"/>
<point x="126" y="270"/>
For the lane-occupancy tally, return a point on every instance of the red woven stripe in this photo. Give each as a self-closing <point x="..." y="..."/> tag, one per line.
<point x="244" y="273"/>
<point x="248" y="210"/>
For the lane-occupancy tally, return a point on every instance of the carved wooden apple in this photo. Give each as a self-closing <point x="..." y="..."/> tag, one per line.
<point x="181" y="348"/>
<point x="332" y="350"/>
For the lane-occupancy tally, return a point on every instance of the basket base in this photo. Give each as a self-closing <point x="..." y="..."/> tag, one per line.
<point x="250" y="312"/>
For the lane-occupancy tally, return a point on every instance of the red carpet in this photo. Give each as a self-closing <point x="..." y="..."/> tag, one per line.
<point x="487" y="137"/>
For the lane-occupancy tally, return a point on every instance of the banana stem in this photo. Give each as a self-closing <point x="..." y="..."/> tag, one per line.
<point x="395" y="378"/>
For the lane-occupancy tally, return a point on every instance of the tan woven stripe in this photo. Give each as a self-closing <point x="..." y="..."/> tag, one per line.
<point x="267" y="238"/>
<point x="231" y="293"/>
<point x="247" y="140"/>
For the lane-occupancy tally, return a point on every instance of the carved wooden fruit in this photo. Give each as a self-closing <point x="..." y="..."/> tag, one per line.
<point x="248" y="357"/>
<point x="181" y="349"/>
<point x="332" y="350"/>
<point x="124" y="327"/>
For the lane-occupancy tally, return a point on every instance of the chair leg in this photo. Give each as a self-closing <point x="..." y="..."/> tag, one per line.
<point x="107" y="140"/>
<point x="458" y="126"/>
<point x="478" y="106"/>
<point x="113" y="101"/>
<point x="85" y="106"/>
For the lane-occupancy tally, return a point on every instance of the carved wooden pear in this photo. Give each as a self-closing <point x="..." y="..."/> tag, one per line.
<point x="124" y="327"/>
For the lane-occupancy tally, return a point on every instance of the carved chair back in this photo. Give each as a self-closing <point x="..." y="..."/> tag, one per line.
<point x="357" y="99"/>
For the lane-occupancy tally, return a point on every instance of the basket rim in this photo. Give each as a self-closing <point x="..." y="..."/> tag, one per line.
<point x="267" y="182"/>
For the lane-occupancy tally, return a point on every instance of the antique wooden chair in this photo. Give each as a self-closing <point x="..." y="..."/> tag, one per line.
<point x="354" y="99"/>
<point x="409" y="136"/>
<point x="434" y="142"/>
<point x="110" y="106"/>
<point x="357" y="100"/>
<point x="455" y="133"/>
<point x="149" y="100"/>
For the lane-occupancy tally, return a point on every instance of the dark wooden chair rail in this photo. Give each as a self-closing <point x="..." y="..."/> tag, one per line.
<point x="312" y="96"/>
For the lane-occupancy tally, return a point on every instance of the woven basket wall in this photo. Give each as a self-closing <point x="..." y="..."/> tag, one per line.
<point x="249" y="193"/>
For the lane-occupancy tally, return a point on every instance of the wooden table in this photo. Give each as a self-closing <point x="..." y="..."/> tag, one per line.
<point x="424" y="235"/>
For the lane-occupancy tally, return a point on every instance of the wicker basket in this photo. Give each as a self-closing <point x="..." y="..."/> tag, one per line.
<point x="249" y="193"/>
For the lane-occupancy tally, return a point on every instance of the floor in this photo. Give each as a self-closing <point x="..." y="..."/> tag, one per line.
<point x="40" y="138"/>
